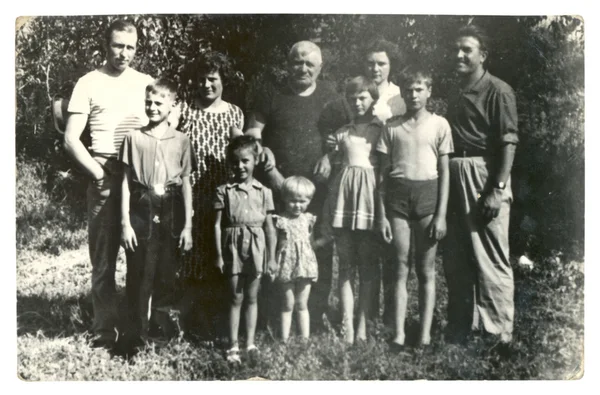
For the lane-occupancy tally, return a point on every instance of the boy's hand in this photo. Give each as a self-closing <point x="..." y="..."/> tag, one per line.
<point x="220" y="264"/>
<point x="437" y="228"/>
<point x="128" y="239"/>
<point x="185" y="239"/>
<point x="331" y="141"/>
<point x="272" y="268"/>
<point x="385" y="230"/>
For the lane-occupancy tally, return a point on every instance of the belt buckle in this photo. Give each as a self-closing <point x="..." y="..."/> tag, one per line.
<point x="159" y="189"/>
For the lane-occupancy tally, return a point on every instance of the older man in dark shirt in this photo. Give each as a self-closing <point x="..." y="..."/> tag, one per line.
<point x="483" y="118"/>
<point x="293" y="121"/>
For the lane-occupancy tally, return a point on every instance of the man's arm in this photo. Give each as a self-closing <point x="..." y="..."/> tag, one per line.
<point x="76" y="149"/>
<point x="492" y="198"/>
<point x="128" y="238"/>
<point x="256" y="124"/>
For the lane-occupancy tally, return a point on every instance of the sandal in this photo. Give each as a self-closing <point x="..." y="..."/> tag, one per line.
<point x="233" y="355"/>
<point x="252" y="349"/>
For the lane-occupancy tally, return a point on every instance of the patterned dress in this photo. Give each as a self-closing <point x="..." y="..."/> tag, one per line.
<point x="209" y="133"/>
<point x="295" y="256"/>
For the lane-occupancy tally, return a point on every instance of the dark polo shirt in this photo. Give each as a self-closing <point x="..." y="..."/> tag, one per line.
<point x="484" y="117"/>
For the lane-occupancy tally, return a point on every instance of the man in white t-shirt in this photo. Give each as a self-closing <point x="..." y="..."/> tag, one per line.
<point x="111" y="99"/>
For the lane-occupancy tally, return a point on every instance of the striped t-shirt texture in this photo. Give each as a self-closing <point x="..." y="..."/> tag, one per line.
<point x="115" y="106"/>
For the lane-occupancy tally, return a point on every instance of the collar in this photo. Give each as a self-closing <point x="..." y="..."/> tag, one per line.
<point x="391" y="91"/>
<point x="373" y="122"/>
<point x="255" y="183"/>
<point x="480" y="85"/>
<point x="169" y="134"/>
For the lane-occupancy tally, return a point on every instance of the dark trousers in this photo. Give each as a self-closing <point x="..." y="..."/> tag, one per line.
<point x="104" y="233"/>
<point x="151" y="283"/>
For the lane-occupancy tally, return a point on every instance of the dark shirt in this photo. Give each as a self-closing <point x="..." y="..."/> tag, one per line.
<point x="296" y="126"/>
<point x="484" y="117"/>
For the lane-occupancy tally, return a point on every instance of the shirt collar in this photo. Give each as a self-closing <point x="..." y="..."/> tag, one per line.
<point x="255" y="183"/>
<point x="169" y="134"/>
<point x="480" y="85"/>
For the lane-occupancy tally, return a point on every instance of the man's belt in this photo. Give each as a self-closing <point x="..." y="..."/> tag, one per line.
<point x="468" y="153"/>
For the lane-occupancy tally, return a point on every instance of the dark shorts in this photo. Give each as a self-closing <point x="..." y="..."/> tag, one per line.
<point x="411" y="199"/>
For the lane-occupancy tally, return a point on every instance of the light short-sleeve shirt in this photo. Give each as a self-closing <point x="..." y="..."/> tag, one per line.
<point x="414" y="149"/>
<point x="244" y="204"/>
<point x="114" y="105"/>
<point x="157" y="161"/>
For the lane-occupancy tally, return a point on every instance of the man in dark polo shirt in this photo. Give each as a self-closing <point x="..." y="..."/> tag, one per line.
<point x="293" y="122"/>
<point x="483" y="118"/>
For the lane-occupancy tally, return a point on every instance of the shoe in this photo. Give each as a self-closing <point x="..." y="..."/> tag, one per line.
<point x="397" y="348"/>
<point x="233" y="355"/>
<point x="103" y="342"/>
<point x="252" y="351"/>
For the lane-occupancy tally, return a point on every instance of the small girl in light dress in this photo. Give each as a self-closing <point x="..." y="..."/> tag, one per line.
<point x="352" y="201"/>
<point x="297" y="267"/>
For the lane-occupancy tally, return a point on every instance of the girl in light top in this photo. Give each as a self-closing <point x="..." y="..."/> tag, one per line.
<point x="351" y="204"/>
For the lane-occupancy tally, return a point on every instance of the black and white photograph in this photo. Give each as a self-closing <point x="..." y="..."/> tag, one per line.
<point x="300" y="196"/>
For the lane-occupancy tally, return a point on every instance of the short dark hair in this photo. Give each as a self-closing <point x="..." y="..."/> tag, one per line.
<point x="119" y="25"/>
<point x="362" y="84"/>
<point x="162" y="83"/>
<point x="242" y="142"/>
<point x="209" y="62"/>
<point x="381" y="45"/>
<point x="416" y="73"/>
<point x="478" y="33"/>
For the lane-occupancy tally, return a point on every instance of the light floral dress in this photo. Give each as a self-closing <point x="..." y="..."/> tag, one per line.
<point x="295" y="256"/>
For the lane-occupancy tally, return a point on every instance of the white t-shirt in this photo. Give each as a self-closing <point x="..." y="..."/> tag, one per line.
<point x="414" y="149"/>
<point x="115" y="106"/>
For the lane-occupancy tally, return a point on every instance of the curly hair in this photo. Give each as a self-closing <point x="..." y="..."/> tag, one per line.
<point x="381" y="45"/>
<point x="209" y="62"/>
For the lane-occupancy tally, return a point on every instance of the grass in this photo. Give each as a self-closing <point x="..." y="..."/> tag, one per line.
<point x="54" y="312"/>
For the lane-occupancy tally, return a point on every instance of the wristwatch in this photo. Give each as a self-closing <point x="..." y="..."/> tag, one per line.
<point x="500" y="185"/>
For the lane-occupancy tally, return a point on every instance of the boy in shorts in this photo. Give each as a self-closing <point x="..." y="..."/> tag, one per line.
<point x="413" y="195"/>
<point x="156" y="208"/>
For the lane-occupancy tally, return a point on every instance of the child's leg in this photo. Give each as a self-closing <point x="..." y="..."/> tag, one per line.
<point x="401" y="240"/>
<point x="236" y="285"/>
<point x="302" y="294"/>
<point x="286" y="309"/>
<point x="346" y="264"/>
<point x="251" y="294"/>
<point x="369" y="267"/>
<point x="425" y="266"/>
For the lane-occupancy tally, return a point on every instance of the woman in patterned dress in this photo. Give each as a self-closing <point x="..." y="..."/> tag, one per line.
<point x="210" y="123"/>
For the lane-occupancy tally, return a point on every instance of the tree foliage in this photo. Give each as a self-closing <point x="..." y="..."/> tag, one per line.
<point x="542" y="58"/>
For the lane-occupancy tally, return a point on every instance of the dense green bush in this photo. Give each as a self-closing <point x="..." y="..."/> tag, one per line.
<point x="541" y="58"/>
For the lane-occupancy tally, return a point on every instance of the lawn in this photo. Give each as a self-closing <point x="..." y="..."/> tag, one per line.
<point x="54" y="313"/>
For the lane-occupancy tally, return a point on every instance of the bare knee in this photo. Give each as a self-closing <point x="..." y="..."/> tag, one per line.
<point x="237" y="299"/>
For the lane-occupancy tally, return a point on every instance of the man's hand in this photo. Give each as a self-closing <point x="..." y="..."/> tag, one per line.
<point x="185" y="239"/>
<point x="322" y="169"/>
<point x="437" y="228"/>
<point x="267" y="159"/>
<point x="489" y="204"/>
<point x="128" y="239"/>
<point x="385" y="230"/>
